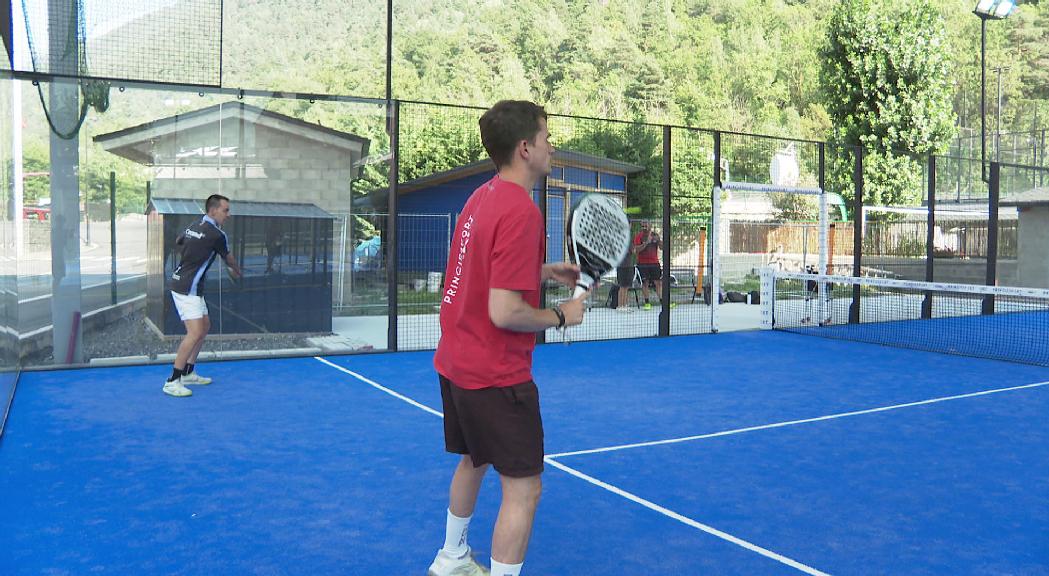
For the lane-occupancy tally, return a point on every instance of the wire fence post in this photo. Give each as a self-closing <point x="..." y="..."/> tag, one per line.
<point x="993" y="190"/>
<point x="930" y="237"/>
<point x="664" y="310"/>
<point x="857" y="232"/>
<point x="113" y="237"/>
<point x="393" y="108"/>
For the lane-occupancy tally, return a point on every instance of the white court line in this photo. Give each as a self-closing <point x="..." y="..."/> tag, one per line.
<point x="795" y="422"/>
<point x="378" y="386"/>
<point x="617" y="491"/>
<point x="686" y="520"/>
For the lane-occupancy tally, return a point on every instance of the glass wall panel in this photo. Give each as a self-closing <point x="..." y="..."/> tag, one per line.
<point x="10" y="220"/>
<point x="297" y="174"/>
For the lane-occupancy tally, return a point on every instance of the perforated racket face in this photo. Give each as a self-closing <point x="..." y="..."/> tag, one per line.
<point x="599" y="234"/>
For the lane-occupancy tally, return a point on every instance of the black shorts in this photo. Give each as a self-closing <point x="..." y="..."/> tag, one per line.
<point x="625" y="276"/>
<point x="497" y="426"/>
<point x="650" y="273"/>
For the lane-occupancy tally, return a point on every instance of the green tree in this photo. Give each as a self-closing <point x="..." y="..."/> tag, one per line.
<point x="885" y="78"/>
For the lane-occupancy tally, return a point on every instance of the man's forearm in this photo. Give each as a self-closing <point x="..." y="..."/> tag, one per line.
<point x="232" y="263"/>
<point x="525" y="318"/>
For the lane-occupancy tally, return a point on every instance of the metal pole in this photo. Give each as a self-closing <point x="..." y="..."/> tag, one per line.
<point x="664" y="311"/>
<point x="113" y="237"/>
<point x="389" y="50"/>
<point x="66" y="294"/>
<point x="998" y="119"/>
<point x="6" y="31"/>
<point x="992" y="235"/>
<point x="391" y="228"/>
<point x="714" y="237"/>
<point x="930" y="237"/>
<point x="544" y="208"/>
<point x="857" y="233"/>
<point x="983" y="98"/>
<point x="1041" y="174"/>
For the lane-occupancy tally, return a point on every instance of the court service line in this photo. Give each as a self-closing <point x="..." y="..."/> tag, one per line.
<point x="613" y="489"/>
<point x="794" y="422"/>
<point x="686" y="520"/>
<point x="380" y="387"/>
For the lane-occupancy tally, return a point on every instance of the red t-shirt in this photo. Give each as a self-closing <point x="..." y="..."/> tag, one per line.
<point x="649" y="254"/>
<point x="499" y="242"/>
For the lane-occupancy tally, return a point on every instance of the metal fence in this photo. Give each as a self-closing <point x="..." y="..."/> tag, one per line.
<point x="395" y="175"/>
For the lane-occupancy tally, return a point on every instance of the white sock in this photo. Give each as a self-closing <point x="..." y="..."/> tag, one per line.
<point x="500" y="569"/>
<point x="455" y="535"/>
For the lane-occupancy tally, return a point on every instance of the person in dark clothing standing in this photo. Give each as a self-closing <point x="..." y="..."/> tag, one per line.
<point x="200" y="243"/>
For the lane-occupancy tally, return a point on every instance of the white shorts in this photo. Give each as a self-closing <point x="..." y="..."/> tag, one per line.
<point x="189" y="307"/>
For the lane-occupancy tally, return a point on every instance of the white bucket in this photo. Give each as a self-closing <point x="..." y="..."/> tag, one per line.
<point x="433" y="282"/>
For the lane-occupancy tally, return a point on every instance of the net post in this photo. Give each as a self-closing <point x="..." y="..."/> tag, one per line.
<point x="930" y="236"/>
<point x="993" y="188"/>
<point x="768" y="298"/>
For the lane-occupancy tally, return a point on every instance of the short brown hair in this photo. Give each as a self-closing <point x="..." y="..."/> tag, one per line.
<point x="214" y="201"/>
<point x="507" y="123"/>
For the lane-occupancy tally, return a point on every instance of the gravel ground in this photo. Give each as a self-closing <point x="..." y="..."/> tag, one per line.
<point x="131" y="336"/>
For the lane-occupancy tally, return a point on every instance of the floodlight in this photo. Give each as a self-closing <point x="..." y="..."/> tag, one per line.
<point x="987" y="10"/>
<point x="994" y="9"/>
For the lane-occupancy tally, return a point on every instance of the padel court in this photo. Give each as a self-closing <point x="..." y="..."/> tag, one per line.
<point x="745" y="453"/>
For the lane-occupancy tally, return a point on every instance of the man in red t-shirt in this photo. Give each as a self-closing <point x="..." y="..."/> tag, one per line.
<point x="489" y="318"/>
<point x="646" y="246"/>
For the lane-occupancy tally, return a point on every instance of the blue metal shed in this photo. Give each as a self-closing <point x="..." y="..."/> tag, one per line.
<point x="445" y="194"/>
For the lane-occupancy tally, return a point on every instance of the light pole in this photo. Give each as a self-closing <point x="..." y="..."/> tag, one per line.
<point x="998" y="117"/>
<point x="987" y="10"/>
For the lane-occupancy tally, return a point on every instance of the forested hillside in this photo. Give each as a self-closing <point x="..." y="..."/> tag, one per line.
<point x="747" y="65"/>
<point x="741" y="65"/>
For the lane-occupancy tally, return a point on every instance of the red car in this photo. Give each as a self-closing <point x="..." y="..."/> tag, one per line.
<point x="36" y="213"/>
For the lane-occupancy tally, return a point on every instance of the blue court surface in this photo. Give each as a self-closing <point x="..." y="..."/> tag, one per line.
<point x="746" y="453"/>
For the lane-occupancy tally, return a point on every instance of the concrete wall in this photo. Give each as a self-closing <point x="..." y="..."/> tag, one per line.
<point x="281" y="167"/>
<point x="1033" y="247"/>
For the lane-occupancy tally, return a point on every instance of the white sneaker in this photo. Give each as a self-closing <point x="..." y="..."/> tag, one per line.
<point x="195" y="379"/>
<point x="447" y="565"/>
<point x="624" y="309"/>
<point x="175" y="388"/>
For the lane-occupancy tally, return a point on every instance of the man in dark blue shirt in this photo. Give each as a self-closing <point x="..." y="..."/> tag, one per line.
<point x="200" y="243"/>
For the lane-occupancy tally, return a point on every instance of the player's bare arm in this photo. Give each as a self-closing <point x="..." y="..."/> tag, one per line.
<point x="233" y="266"/>
<point x="508" y="310"/>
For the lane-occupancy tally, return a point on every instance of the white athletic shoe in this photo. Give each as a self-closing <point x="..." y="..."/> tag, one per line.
<point x="175" y="388"/>
<point x="447" y="565"/>
<point x="195" y="379"/>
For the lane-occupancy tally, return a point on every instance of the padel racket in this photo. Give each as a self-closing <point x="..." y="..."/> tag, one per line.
<point x="598" y="236"/>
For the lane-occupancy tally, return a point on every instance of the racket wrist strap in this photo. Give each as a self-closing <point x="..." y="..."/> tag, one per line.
<point x="560" y="316"/>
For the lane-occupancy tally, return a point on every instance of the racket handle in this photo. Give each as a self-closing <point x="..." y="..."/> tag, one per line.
<point x="582" y="285"/>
